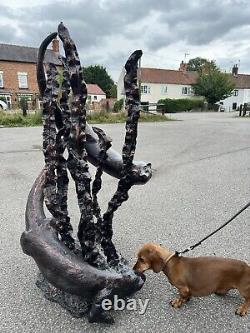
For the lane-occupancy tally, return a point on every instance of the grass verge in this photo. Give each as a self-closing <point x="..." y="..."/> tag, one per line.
<point x="16" y="119"/>
<point x="111" y="118"/>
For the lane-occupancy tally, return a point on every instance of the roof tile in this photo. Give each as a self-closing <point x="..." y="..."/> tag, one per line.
<point x="168" y="76"/>
<point x="17" y="53"/>
<point x="94" y="89"/>
<point x="155" y="75"/>
<point x="241" y="81"/>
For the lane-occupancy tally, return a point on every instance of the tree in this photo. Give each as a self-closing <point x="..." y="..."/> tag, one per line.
<point x="113" y="91"/>
<point x="23" y="102"/>
<point x="99" y="75"/>
<point x="214" y="86"/>
<point x="201" y="65"/>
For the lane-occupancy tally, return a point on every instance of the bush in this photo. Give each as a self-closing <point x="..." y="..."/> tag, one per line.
<point x="178" y="105"/>
<point x="2" y="98"/>
<point x="118" y="105"/>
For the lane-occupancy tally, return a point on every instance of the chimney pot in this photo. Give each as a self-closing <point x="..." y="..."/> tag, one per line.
<point x="183" y="66"/>
<point x="235" y="70"/>
<point x="55" y="45"/>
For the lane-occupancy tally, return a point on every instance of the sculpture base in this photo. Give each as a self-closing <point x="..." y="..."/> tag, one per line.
<point x="76" y="305"/>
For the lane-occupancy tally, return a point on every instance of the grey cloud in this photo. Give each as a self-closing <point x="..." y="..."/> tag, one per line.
<point x="199" y="23"/>
<point x="88" y="20"/>
<point x="158" y="40"/>
<point x="7" y="33"/>
<point x="150" y="24"/>
<point x="5" y="11"/>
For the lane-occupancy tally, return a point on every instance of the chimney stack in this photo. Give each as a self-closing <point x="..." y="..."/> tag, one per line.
<point x="235" y="70"/>
<point x="55" y="45"/>
<point x="183" y="66"/>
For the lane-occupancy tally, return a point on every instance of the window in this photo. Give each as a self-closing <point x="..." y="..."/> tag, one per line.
<point x="186" y="90"/>
<point x="1" y="79"/>
<point x="95" y="98"/>
<point x="235" y="92"/>
<point x="164" y="90"/>
<point x="22" y="80"/>
<point x="145" y="89"/>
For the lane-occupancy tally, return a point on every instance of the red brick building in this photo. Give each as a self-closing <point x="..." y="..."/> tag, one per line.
<point x="18" y="72"/>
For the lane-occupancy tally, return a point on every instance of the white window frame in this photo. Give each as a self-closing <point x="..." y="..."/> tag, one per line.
<point x="145" y="89"/>
<point x="1" y="79"/>
<point x="186" y="90"/>
<point x="236" y="92"/>
<point x="164" y="90"/>
<point x="22" y="84"/>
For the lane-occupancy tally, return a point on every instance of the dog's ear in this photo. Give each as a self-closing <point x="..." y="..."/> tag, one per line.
<point x="157" y="263"/>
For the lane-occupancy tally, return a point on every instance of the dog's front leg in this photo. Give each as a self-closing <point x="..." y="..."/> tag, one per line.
<point x="184" y="297"/>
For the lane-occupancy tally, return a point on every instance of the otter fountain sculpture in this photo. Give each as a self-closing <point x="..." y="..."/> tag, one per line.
<point x="88" y="270"/>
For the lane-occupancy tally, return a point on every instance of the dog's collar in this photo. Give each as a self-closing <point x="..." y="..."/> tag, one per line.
<point x="166" y="261"/>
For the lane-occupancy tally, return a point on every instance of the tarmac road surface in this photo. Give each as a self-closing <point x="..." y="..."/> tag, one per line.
<point x="201" y="177"/>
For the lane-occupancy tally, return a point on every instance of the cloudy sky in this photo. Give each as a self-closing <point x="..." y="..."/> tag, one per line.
<point x="107" y="31"/>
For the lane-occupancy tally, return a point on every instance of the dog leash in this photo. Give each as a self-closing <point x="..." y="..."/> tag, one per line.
<point x="190" y="248"/>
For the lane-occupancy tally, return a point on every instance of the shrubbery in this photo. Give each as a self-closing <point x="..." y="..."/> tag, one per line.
<point x="178" y="105"/>
<point x="118" y="105"/>
<point x="2" y="98"/>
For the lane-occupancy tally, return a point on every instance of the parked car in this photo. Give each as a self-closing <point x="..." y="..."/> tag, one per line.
<point x="221" y="108"/>
<point x="3" y="105"/>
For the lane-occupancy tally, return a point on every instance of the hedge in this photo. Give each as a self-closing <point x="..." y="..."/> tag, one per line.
<point x="178" y="105"/>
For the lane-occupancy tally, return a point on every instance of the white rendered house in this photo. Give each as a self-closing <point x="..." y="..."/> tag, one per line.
<point x="241" y="93"/>
<point x="159" y="84"/>
<point x="95" y="93"/>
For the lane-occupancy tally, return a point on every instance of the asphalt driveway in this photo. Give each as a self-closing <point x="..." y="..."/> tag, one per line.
<point x="201" y="177"/>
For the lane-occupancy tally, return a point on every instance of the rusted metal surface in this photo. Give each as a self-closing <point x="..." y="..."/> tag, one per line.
<point x="56" y="185"/>
<point x="128" y="151"/>
<point x="113" y="163"/>
<point x="77" y="159"/>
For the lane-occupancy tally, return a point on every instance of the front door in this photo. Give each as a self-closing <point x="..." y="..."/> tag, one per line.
<point x="8" y="100"/>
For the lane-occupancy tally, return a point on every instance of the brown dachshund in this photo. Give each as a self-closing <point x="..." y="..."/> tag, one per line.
<point x="199" y="276"/>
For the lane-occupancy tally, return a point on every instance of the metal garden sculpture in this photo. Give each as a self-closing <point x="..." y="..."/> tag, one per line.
<point x="80" y="274"/>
